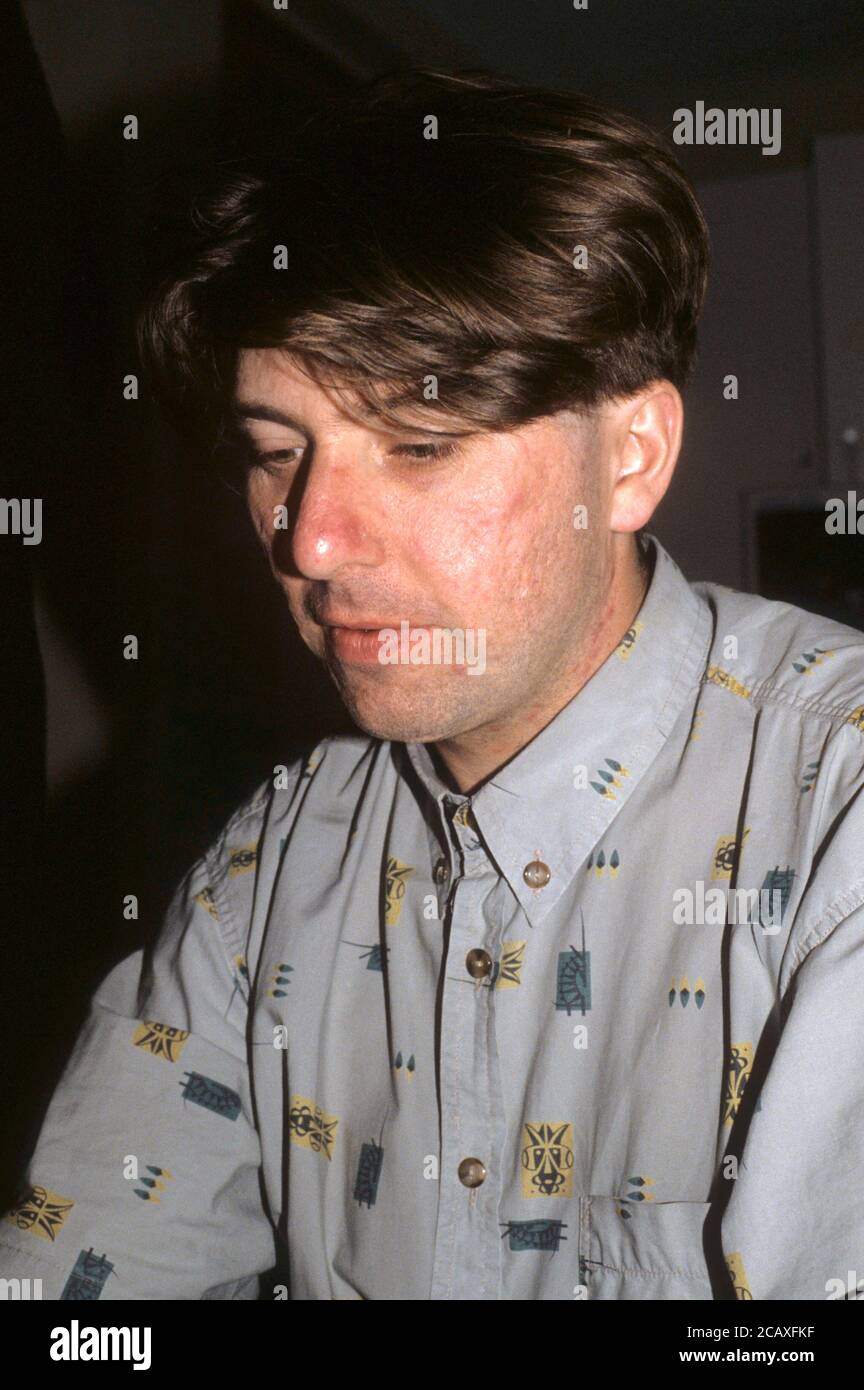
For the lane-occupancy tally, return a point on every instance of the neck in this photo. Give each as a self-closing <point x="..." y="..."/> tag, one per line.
<point x="467" y="760"/>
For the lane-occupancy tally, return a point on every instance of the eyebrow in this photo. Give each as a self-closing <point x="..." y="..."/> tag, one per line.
<point x="257" y="410"/>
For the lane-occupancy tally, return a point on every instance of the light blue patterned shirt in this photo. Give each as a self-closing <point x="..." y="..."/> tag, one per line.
<point x="593" y="1031"/>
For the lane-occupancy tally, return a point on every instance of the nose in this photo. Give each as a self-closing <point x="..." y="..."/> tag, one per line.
<point x="335" y="516"/>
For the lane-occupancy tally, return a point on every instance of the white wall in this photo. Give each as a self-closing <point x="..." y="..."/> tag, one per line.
<point x="759" y="324"/>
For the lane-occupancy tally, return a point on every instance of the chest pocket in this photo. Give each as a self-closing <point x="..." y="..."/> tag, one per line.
<point x="644" y="1250"/>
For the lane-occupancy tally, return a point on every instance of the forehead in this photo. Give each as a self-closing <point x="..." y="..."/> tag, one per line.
<point x="270" y="379"/>
<point x="273" y="377"/>
<point x="271" y="371"/>
<point x="276" y="378"/>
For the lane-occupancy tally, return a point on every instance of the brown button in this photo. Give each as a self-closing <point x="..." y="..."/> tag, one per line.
<point x="471" y="1172"/>
<point x="442" y="870"/>
<point x="536" y="874"/>
<point x="478" y="964"/>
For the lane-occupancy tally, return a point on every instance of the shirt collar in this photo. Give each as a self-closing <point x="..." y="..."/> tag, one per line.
<point x="554" y="800"/>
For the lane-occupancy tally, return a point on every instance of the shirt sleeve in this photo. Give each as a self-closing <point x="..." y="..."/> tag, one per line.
<point x="144" y="1183"/>
<point x="794" y="1225"/>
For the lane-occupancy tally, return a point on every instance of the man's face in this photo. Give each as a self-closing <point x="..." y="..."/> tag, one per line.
<point x="375" y="532"/>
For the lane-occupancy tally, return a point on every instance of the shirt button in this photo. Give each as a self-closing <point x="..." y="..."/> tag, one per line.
<point x="478" y="964"/>
<point x="441" y="871"/>
<point x="536" y="874"/>
<point x="471" y="1172"/>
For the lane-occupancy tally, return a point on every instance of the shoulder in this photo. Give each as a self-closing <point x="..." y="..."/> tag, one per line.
<point x="328" y="780"/>
<point x="779" y="655"/>
<point x="315" y="779"/>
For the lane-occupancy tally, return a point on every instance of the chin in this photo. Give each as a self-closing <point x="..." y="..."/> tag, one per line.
<point x="396" y="719"/>
<point x="387" y="724"/>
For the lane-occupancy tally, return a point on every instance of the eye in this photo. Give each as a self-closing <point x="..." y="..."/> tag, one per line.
<point x="428" y="452"/>
<point x="271" y="462"/>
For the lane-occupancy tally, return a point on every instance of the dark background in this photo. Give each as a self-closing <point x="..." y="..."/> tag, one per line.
<point x="116" y="774"/>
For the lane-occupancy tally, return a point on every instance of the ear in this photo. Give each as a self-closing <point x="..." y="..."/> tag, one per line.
<point x="646" y="442"/>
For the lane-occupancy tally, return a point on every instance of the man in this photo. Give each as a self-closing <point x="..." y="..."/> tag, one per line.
<point x="547" y="985"/>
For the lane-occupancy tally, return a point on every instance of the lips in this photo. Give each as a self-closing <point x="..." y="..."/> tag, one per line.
<point x="356" y="645"/>
<point x="355" y="625"/>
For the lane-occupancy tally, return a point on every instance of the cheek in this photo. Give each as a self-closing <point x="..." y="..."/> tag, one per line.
<point x="260" y="508"/>
<point x="486" y="549"/>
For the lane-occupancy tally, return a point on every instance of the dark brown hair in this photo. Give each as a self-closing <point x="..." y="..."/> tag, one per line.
<point x="410" y="257"/>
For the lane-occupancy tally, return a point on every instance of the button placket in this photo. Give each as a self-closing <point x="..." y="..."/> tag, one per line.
<point x="478" y="962"/>
<point x="468" y="1246"/>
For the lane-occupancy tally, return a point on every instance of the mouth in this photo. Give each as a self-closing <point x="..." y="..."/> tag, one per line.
<point x="361" y="645"/>
<point x="356" y="646"/>
<point x="366" y="625"/>
<point x="352" y="627"/>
